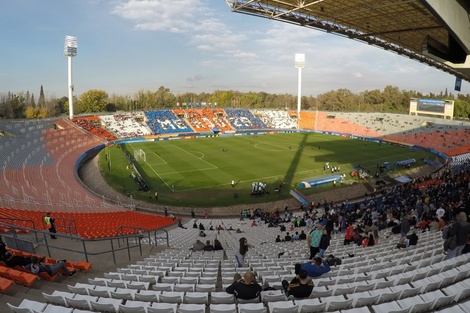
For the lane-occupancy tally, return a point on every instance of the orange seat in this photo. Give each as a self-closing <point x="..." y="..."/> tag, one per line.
<point x="83" y="266"/>
<point x="23" y="278"/>
<point x="5" y="284"/>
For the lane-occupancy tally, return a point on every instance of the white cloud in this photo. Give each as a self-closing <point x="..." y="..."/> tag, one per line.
<point x="161" y="15"/>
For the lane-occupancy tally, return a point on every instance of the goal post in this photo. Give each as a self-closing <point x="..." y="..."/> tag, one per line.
<point x="139" y="155"/>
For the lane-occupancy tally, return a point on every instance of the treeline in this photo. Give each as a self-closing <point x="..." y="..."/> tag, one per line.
<point x="390" y="99"/>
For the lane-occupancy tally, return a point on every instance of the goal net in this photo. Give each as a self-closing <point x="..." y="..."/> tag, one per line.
<point x="139" y="155"/>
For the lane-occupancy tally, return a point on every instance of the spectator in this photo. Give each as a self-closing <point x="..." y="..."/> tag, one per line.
<point x="12" y="260"/>
<point x="208" y="246"/>
<point x="198" y="246"/>
<point x="287" y="237"/>
<point x="316" y="267"/>
<point x="303" y="235"/>
<point x="241" y="252"/>
<point x="324" y="243"/>
<point x="195" y="225"/>
<point x="217" y="245"/>
<point x="296" y="236"/>
<point x="348" y="237"/>
<point x="202" y="233"/>
<point x="313" y="240"/>
<point x="37" y="267"/>
<point x="405" y="228"/>
<point x="180" y="224"/>
<point x="201" y="227"/>
<point x="460" y="229"/>
<point x="300" y="287"/>
<point x="244" y="287"/>
<point x="278" y="238"/>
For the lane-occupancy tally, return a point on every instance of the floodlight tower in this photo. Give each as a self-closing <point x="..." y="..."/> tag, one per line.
<point x="299" y="64"/>
<point x="70" y="50"/>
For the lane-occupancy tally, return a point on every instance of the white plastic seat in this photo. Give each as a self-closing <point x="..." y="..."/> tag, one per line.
<point x="196" y="298"/>
<point x="208" y="280"/>
<point x="51" y="308"/>
<point x="363" y="299"/>
<point x="416" y="303"/>
<point x="80" y="301"/>
<point x="205" y="287"/>
<point x="123" y="294"/>
<point x="440" y="298"/>
<point x="189" y="280"/>
<point x="222" y="297"/>
<point x="171" y="297"/>
<point x="106" y="305"/>
<point x="147" y="295"/>
<point x="170" y="279"/>
<point x="336" y="303"/>
<point x="386" y="294"/>
<point x="184" y="287"/>
<point x="55" y="299"/>
<point x="134" y="307"/>
<point x="162" y="308"/>
<point x="191" y="308"/>
<point x="30" y="306"/>
<point x="272" y="296"/>
<point x="252" y="308"/>
<point x="163" y="286"/>
<point x="357" y="310"/>
<point x="460" y="290"/>
<point x="223" y="308"/>
<point x="310" y="305"/>
<point x="282" y="307"/>
<point x="389" y="307"/>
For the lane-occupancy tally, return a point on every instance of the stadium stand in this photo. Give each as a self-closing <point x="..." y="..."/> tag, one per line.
<point x="276" y="119"/>
<point x="241" y="119"/>
<point x="166" y="122"/>
<point x="204" y="120"/>
<point x="307" y="119"/>
<point x="93" y="125"/>
<point x="126" y="125"/>
<point x="31" y="190"/>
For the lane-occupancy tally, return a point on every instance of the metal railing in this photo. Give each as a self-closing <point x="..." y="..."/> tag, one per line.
<point x="86" y="247"/>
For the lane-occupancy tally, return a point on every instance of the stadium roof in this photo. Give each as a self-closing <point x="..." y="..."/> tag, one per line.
<point x="434" y="32"/>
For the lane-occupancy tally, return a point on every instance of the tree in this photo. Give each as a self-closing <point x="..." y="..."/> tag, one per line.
<point x="93" y="100"/>
<point x="42" y="99"/>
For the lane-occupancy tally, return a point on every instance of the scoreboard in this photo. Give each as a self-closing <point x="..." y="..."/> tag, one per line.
<point x="444" y="108"/>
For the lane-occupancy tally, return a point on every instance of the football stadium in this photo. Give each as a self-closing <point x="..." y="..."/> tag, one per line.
<point x="209" y="209"/>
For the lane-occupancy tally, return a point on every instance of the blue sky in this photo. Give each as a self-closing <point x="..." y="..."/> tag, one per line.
<point x="187" y="46"/>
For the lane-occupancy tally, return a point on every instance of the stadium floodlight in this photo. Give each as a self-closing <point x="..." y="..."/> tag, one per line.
<point x="70" y="50"/>
<point x="299" y="64"/>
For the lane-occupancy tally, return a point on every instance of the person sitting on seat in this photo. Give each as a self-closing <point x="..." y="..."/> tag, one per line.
<point x="12" y="260"/>
<point x="218" y="245"/>
<point x="316" y="267"/>
<point x="198" y="245"/>
<point x="300" y="287"/>
<point x="208" y="246"/>
<point x="244" y="287"/>
<point x="37" y="267"/>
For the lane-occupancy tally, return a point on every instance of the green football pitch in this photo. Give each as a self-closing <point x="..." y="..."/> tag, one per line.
<point x="199" y="172"/>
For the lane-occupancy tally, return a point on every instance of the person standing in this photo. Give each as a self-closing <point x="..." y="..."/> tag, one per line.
<point x="50" y="224"/>
<point x="166" y="211"/>
<point x="156" y="195"/>
<point x="241" y="252"/>
<point x="324" y="243"/>
<point x="461" y="230"/>
<point x="405" y="228"/>
<point x="313" y="240"/>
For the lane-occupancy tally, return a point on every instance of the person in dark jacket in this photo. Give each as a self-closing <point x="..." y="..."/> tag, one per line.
<point x="324" y="243"/>
<point x="461" y="230"/>
<point x="300" y="287"/>
<point x="245" y="287"/>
